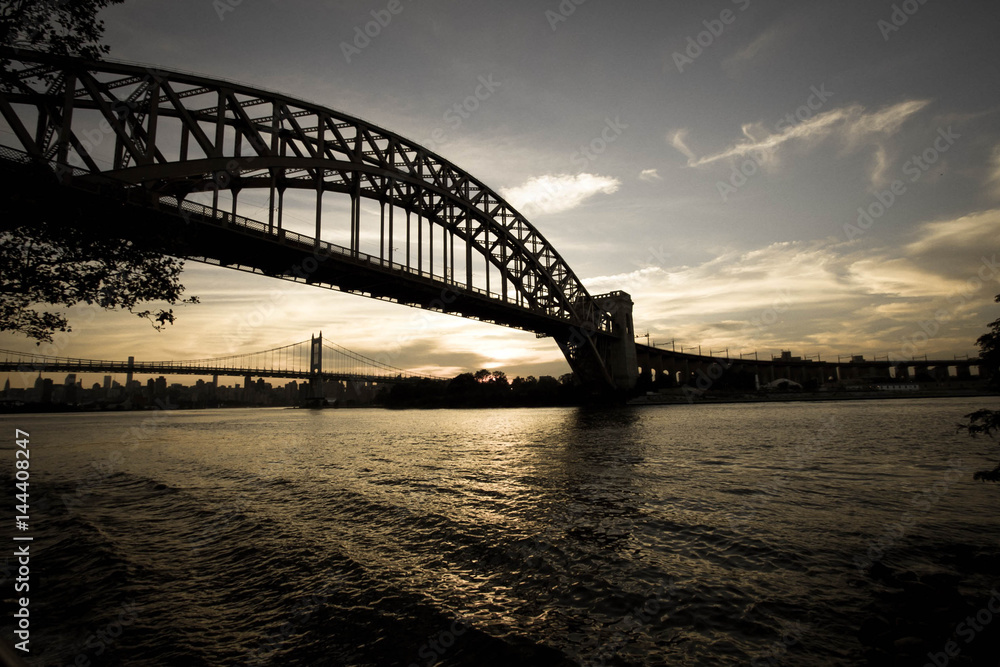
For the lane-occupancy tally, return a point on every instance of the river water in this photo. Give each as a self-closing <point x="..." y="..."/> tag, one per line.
<point x="833" y="533"/>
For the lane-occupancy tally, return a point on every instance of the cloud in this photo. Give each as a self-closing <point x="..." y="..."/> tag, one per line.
<point x="994" y="178"/>
<point x="891" y="277"/>
<point x="763" y="41"/>
<point x="975" y="232"/>
<point x="557" y="193"/>
<point x="880" y="167"/>
<point x="677" y="140"/>
<point x="852" y="126"/>
<point x="826" y="296"/>
<point x="649" y="175"/>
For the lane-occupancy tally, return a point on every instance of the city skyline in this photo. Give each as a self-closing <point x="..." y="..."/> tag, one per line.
<point x="816" y="179"/>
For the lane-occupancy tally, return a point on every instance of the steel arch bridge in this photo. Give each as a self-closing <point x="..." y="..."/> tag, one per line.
<point x="179" y="157"/>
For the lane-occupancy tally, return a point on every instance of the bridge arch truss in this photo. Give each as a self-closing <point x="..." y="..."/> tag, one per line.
<point x="175" y="139"/>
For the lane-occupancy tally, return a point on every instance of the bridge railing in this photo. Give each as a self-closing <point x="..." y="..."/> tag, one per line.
<point x="294" y="239"/>
<point x="86" y="180"/>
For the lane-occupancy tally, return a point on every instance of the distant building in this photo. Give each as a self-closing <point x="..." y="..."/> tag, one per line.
<point x="898" y="386"/>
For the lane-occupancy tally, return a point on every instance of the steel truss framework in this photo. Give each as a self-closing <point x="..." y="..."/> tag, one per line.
<point x="183" y="136"/>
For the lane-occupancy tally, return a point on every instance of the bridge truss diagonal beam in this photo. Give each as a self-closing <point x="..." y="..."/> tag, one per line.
<point x="158" y="133"/>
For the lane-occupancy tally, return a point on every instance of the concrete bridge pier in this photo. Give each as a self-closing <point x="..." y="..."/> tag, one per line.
<point x="620" y="357"/>
<point x="605" y="362"/>
<point x="658" y="370"/>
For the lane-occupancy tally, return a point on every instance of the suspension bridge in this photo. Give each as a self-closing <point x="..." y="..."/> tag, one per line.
<point x="314" y="360"/>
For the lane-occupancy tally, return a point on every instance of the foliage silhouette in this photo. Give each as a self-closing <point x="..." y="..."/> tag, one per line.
<point x="987" y="422"/>
<point x="66" y="260"/>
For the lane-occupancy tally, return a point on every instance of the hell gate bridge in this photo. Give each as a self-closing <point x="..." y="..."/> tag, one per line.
<point x="181" y="161"/>
<point x="152" y="155"/>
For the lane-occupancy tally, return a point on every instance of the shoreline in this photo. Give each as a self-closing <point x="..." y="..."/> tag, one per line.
<point x="675" y="398"/>
<point x="807" y="397"/>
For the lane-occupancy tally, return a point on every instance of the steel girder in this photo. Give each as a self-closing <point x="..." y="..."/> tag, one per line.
<point x="235" y="137"/>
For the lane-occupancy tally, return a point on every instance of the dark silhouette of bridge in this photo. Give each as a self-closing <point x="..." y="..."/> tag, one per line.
<point x="214" y="171"/>
<point x="313" y="360"/>
<point x="179" y="160"/>
<point x="657" y="364"/>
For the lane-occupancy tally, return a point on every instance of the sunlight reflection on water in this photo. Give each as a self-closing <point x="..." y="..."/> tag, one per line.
<point x="671" y="534"/>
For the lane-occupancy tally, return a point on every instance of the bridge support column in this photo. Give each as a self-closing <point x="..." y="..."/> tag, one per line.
<point x="619" y="352"/>
<point x="604" y="362"/>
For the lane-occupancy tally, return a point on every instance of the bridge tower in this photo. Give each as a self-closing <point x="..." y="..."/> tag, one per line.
<point x="316" y="398"/>
<point x="619" y="353"/>
<point x="602" y="360"/>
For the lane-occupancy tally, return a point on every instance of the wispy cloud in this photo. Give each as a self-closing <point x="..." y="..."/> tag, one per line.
<point x="554" y="193"/>
<point x="823" y="296"/>
<point x="878" y="175"/>
<point x="853" y="126"/>
<point x="994" y="177"/>
<point x="649" y="175"/>
<point x="957" y="241"/>
<point x="678" y="139"/>
<point x="762" y="42"/>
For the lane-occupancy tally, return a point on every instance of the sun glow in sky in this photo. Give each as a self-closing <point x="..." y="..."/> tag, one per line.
<point x="807" y="176"/>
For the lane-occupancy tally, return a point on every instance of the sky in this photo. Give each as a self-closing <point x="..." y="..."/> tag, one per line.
<point x="759" y="175"/>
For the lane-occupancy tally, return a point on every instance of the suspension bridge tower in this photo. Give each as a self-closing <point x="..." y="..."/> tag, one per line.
<point x="316" y="399"/>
